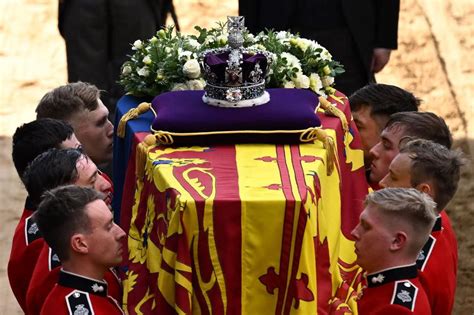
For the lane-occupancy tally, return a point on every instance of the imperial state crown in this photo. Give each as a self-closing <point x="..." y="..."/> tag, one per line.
<point x="235" y="76"/>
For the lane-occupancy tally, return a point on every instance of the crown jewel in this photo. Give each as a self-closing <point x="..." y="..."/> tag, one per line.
<point x="235" y="76"/>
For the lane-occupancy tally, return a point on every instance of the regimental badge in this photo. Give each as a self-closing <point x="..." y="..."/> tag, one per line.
<point x="32" y="232"/>
<point x="78" y="303"/>
<point x="33" y="229"/>
<point x="53" y="260"/>
<point x="378" y="279"/>
<point x="80" y="310"/>
<point x="425" y="253"/>
<point x="404" y="294"/>
<point x="97" y="288"/>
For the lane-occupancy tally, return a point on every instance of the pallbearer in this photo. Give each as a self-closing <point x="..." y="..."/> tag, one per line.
<point x="78" y="225"/>
<point x="435" y="170"/>
<point x="393" y="228"/>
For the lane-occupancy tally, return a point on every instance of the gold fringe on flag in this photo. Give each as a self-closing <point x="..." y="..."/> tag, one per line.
<point x="141" y="155"/>
<point x="332" y="110"/>
<point x="131" y="114"/>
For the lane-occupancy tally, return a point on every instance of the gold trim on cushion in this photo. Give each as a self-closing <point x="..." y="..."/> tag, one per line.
<point x="163" y="137"/>
<point x="166" y="137"/>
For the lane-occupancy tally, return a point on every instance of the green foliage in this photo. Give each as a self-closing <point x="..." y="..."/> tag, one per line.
<point x="156" y="66"/>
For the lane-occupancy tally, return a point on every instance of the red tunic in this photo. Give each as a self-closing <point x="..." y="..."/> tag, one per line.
<point x="394" y="291"/>
<point x="75" y="294"/>
<point x="437" y="264"/>
<point x="46" y="275"/>
<point x="26" y="247"/>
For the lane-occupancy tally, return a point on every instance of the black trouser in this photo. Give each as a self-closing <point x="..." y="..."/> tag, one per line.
<point x="99" y="35"/>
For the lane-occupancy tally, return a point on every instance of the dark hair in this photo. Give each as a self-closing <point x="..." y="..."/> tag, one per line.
<point x="61" y="214"/>
<point x="49" y="170"/>
<point x="437" y="164"/>
<point x="421" y="125"/>
<point x="38" y="136"/>
<point x="65" y="101"/>
<point x="383" y="99"/>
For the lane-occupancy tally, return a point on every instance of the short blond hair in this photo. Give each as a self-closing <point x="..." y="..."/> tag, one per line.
<point x="67" y="100"/>
<point x="410" y="206"/>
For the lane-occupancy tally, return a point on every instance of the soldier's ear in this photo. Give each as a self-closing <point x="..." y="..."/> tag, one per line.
<point x="79" y="244"/>
<point x="426" y="188"/>
<point x="398" y="241"/>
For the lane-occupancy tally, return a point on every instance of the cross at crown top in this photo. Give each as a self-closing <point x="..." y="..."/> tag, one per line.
<point x="235" y="24"/>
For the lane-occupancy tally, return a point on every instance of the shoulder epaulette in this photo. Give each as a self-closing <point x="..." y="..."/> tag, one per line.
<point x="404" y="294"/>
<point x="53" y="260"/>
<point x="425" y="253"/>
<point x="79" y="303"/>
<point x="32" y="232"/>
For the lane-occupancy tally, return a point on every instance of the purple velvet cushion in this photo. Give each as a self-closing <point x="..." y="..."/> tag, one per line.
<point x="184" y="112"/>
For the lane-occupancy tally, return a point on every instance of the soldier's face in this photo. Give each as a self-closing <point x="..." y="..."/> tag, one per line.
<point x="105" y="240"/>
<point x="90" y="176"/>
<point x="95" y="131"/>
<point x="383" y="153"/>
<point x="369" y="127"/>
<point x="399" y="173"/>
<point x="372" y="240"/>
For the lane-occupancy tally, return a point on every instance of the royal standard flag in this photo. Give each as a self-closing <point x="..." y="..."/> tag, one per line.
<point x="247" y="228"/>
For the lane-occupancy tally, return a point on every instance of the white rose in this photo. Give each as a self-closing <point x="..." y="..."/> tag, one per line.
<point x="251" y="37"/>
<point x="179" y="87"/>
<point x="126" y="70"/>
<point x="281" y="35"/>
<point x="261" y="37"/>
<point x="327" y="81"/>
<point x="195" y="84"/>
<point x="315" y="83"/>
<point x="143" y="72"/>
<point x="315" y="45"/>
<point x="301" y="81"/>
<point x="137" y="45"/>
<point x="191" y="69"/>
<point x="194" y="43"/>
<point x="326" y="55"/>
<point x="303" y="43"/>
<point x="147" y="60"/>
<point x="184" y="53"/>
<point x="288" y="85"/>
<point x="257" y="47"/>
